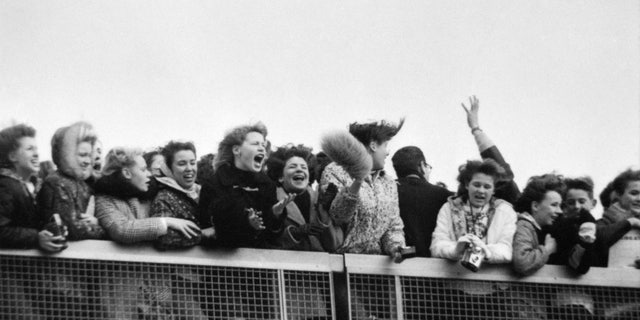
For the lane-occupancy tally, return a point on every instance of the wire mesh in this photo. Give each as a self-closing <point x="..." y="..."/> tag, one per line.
<point x="429" y="298"/>
<point x="308" y="295"/>
<point x="57" y="288"/>
<point x="372" y="296"/>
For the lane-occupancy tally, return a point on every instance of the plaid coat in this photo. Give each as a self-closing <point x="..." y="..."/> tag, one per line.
<point x="128" y="221"/>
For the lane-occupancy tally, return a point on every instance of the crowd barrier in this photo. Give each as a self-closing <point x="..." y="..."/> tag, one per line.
<point x="103" y="280"/>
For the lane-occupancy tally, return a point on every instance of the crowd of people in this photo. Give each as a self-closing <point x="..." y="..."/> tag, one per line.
<point x="343" y="201"/>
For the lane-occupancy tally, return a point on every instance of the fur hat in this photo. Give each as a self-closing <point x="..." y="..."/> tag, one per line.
<point x="345" y="150"/>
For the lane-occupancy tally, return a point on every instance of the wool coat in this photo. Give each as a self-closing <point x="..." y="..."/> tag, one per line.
<point x="19" y="222"/>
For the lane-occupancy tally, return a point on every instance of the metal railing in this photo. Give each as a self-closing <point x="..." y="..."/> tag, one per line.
<point x="103" y="280"/>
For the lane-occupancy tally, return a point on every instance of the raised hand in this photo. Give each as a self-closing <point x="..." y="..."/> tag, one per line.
<point x="255" y="218"/>
<point x="278" y="208"/>
<point x="472" y="112"/>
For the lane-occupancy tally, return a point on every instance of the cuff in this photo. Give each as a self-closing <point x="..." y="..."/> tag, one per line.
<point x="291" y="235"/>
<point x="164" y="227"/>
<point x="482" y="140"/>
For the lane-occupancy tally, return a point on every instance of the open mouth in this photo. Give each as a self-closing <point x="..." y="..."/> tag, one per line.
<point x="258" y="159"/>
<point x="299" y="177"/>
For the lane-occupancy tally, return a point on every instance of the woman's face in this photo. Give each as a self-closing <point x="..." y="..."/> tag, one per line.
<point x="156" y="164"/>
<point x="630" y="199"/>
<point x="250" y="155"/>
<point x="184" y="168"/>
<point x="25" y="158"/>
<point x="295" y="175"/>
<point x="548" y="210"/>
<point x="480" y="189"/>
<point x="138" y="174"/>
<point x="84" y="155"/>
<point x="379" y="153"/>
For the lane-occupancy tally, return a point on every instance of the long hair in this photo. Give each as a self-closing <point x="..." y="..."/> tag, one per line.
<point x="233" y="138"/>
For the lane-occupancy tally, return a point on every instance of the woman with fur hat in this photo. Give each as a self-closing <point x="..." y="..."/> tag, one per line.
<point x="123" y="201"/>
<point x="65" y="191"/>
<point x="239" y="199"/>
<point x="20" y="226"/>
<point x="179" y="194"/>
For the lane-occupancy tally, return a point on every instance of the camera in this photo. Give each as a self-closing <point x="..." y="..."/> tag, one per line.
<point x="472" y="258"/>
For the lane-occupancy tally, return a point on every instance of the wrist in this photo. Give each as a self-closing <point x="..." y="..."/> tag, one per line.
<point x="475" y="129"/>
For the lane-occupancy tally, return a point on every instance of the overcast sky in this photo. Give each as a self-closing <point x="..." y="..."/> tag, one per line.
<point x="558" y="82"/>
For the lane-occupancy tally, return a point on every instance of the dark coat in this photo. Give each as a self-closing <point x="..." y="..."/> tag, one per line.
<point x="224" y="199"/>
<point x="19" y="222"/>
<point x="68" y="197"/>
<point x="506" y="189"/>
<point x="572" y="251"/>
<point x="173" y="203"/>
<point x="420" y="202"/>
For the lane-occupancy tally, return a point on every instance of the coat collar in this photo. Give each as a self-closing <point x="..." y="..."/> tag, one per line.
<point x="527" y="217"/>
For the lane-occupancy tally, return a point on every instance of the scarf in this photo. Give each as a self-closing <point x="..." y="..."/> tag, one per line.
<point x="468" y="220"/>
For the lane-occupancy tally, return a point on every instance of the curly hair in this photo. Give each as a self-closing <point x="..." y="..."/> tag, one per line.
<point x="10" y="142"/>
<point x="466" y="172"/>
<point x="279" y="158"/>
<point x="173" y="147"/>
<point x="537" y="188"/>
<point x="378" y="131"/>
<point x="608" y="196"/>
<point x="407" y="160"/>
<point x="581" y="183"/>
<point x="119" y="158"/>
<point x="622" y="180"/>
<point x="235" y="137"/>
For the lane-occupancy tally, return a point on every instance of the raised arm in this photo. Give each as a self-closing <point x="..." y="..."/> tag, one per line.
<point x="344" y="205"/>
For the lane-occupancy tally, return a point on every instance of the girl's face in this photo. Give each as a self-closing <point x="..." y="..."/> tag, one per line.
<point x="251" y="154"/>
<point x="184" y="168"/>
<point x="138" y="174"/>
<point x="379" y="153"/>
<point x="295" y="175"/>
<point x="25" y="158"/>
<point x="630" y="199"/>
<point x="480" y="189"/>
<point x="84" y="155"/>
<point x="548" y="210"/>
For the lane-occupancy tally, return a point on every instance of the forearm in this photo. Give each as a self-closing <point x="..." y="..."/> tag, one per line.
<point x="343" y="207"/>
<point x="610" y="232"/>
<point x="18" y="237"/>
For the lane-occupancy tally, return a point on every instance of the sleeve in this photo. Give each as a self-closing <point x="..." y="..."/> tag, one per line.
<point x="273" y="224"/>
<point x="344" y="205"/>
<point x="124" y="229"/>
<point x="527" y="257"/>
<point x="443" y="242"/>
<point x="394" y="235"/>
<point x="507" y="190"/>
<point x="333" y="236"/>
<point x="227" y="212"/>
<point x="610" y="228"/>
<point x="173" y="239"/>
<point x="13" y="236"/>
<point x="503" y="227"/>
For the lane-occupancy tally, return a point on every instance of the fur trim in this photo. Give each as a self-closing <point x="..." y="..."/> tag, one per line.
<point x="345" y="150"/>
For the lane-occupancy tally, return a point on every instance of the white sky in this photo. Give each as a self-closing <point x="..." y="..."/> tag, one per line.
<point x="558" y="82"/>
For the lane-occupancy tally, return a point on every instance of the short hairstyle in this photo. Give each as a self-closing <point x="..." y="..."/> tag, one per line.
<point x="466" y="172"/>
<point x="407" y="161"/>
<point x="378" y="131"/>
<point x="119" y="158"/>
<point x="173" y="147"/>
<point x="322" y="160"/>
<point x="623" y="179"/>
<point x="607" y="196"/>
<point x="67" y="138"/>
<point x="279" y="158"/>
<point x="235" y="137"/>
<point x="536" y="189"/>
<point x="149" y="155"/>
<point x="10" y="141"/>
<point x="581" y="183"/>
